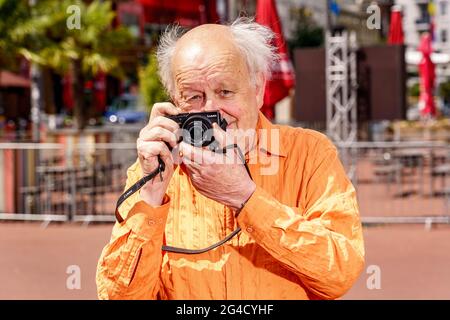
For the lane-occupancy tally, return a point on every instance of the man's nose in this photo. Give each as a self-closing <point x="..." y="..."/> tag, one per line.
<point x="210" y="105"/>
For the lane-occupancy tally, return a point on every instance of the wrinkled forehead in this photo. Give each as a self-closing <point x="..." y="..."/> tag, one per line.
<point x="207" y="53"/>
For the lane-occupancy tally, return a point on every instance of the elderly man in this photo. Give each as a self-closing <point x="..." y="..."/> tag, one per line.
<point x="301" y="234"/>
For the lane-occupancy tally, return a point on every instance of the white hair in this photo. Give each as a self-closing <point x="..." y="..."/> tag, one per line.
<point x="254" y="41"/>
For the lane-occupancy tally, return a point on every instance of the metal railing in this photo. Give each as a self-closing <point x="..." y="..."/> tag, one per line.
<point x="56" y="182"/>
<point x="396" y="182"/>
<point x="401" y="182"/>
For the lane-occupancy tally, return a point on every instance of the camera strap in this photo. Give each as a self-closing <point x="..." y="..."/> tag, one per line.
<point x="158" y="171"/>
<point x="138" y="185"/>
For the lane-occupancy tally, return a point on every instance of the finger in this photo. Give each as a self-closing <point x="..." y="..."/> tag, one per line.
<point x="177" y="155"/>
<point x="164" y="122"/>
<point x="159" y="134"/>
<point x="226" y="152"/>
<point x="163" y="108"/>
<point x="151" y="149"/>
<point x="219" y="135"/>
<point x="230" y="140"/>
<point x="197" y="155"/>
<point x="191" y="165"/>
<point x="203" y="156"/>
<point x="166" y="155"/>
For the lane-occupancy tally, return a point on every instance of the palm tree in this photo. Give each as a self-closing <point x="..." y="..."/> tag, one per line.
<point x="46" y="39"/>
<point x="12" y="15"/>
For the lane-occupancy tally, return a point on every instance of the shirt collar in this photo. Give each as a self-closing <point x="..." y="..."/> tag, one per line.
<point x="269" y="138"/>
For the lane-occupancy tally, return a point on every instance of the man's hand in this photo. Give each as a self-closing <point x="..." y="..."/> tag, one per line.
<point x="151" y="144"/>
<point x="221" y="177"/>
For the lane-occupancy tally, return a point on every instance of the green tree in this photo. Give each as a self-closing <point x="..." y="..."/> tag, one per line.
<point x="150" y="86"/>
<point x="306" y="33"/>
<point x="48" y="39"/>
<point x="12" y="15"/>
<point x="444" y="91"/>
<point x="414" y="90"/>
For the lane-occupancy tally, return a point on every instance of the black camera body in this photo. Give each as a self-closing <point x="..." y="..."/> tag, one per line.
<point x="197" y="127"/>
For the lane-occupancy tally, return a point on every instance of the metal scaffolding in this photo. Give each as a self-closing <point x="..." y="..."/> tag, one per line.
<point x="341" y="80"/>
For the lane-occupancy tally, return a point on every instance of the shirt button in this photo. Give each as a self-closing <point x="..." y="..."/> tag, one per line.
<point x="151" y="222"/>
<point x="249" y="229"/>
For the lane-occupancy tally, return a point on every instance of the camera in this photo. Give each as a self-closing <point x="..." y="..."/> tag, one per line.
<point x="197" y="127"/>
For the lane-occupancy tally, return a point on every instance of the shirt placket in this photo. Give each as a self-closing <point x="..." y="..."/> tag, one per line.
<point x="232" y="270"/>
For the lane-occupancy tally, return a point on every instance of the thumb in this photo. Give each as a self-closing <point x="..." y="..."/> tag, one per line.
<point x="219" y="135"/>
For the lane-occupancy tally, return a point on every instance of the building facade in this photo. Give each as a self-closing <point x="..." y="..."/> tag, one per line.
<point x="442" y="28"/>
<point x="426" y="16"/>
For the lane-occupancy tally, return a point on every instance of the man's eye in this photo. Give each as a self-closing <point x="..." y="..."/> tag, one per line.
<point x="197" y="97"/>
<point x="226" y="93"/>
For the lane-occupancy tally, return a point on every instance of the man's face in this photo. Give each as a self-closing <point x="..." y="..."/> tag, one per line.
<point x="211" y="74"/>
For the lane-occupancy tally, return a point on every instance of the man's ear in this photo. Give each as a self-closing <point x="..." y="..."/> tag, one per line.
<point x="260" y="86"/>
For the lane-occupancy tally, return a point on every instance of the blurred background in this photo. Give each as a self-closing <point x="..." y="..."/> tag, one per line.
<point x="78" y="79"/>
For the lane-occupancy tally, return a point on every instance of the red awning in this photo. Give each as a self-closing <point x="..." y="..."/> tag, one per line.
<point x="9" y="79"/>
<point x="179" y="5"/>
<point x="187" y="13"/>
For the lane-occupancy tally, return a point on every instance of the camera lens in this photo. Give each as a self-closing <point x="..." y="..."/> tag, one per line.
<point x="197" y="130"/>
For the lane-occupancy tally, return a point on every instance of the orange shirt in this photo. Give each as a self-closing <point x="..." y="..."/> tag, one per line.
<point x="301" y="233"/>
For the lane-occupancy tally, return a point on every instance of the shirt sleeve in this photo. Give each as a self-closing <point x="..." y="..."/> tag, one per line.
<point x="130" y="264"/>
<point x="321" y="239"/>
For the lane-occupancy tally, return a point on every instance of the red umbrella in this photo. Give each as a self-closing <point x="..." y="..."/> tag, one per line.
<point x="282" y="73"/>
<point x="396" y="28"/>
<point x="427" y="77"/>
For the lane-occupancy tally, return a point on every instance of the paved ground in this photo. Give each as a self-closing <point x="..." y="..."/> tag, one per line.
<point x="414" y="263"/>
